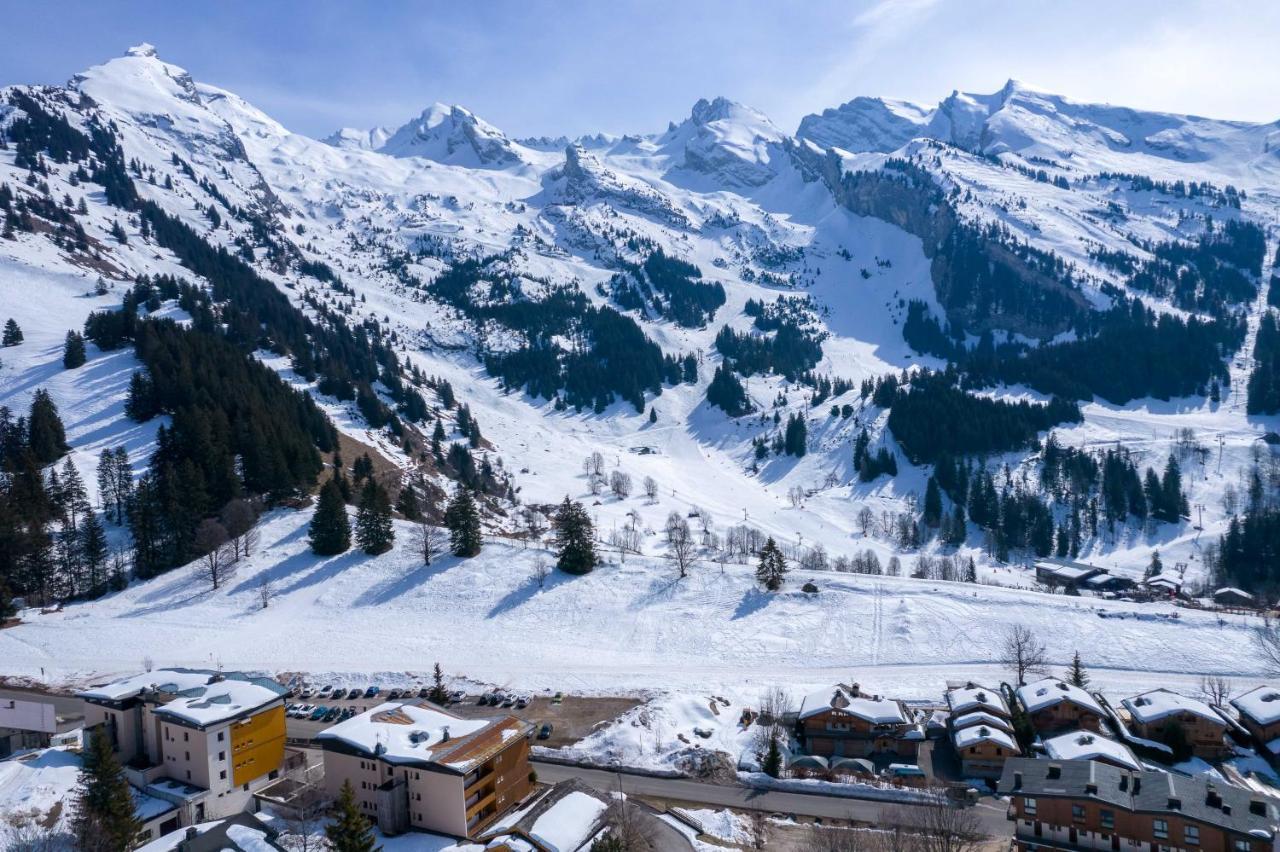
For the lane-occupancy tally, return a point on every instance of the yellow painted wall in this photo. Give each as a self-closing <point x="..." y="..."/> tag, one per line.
<point x="257" y="745"/>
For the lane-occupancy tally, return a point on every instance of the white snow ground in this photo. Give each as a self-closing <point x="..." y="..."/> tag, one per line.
<point x="629" y="627"/>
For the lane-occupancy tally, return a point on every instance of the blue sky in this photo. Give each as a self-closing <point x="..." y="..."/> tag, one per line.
<point x="540" y="67"/>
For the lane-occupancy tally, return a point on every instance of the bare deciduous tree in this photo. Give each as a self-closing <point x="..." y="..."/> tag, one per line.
<point x="216" y="559"/>
<point x="651" y="488"/>
<point x="1266" y="641"/>
<point x="428" y="541"/>
<point x="238" y="518"/>
<point x="540" y="572"/>
<point x="936" y="826"/>
<point x="1024" y="653"/>
<point x="1216" y="690"/>
<point x="680" y="545"/>
<point x="593" y="465"/>
<point x="620" y="484"/>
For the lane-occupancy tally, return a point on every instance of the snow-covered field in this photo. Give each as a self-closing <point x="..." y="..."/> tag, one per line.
<point x="634" y="627"/>
<point x="729" y="198"/>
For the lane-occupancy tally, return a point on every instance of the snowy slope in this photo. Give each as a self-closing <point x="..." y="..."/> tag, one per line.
<point x="724" y="189"/>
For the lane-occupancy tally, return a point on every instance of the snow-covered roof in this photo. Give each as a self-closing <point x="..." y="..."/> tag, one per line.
<point x="1086" y="745"/>
<point x="983" y="733"/>
<point x="1050" y="691"/>
<point x="1163" y="582"/>
<point x="1261" y="704"/>
<point x="237" y="833"/>
<point x="403" y="732"/>
<point x="874" y="709"/>
<point x="979" y="717"/>
<point x="1232" y="590"/>
<point x="568" y="823"/>
<point x="974" y="697"/>
<point x="200" y="697"/>
<point x="1160" y="703"/>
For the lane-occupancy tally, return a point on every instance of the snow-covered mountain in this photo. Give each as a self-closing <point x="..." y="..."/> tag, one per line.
<point x="870" y="211"/>
<point x="443" y="133"/>
<point x="1026" y="121"/>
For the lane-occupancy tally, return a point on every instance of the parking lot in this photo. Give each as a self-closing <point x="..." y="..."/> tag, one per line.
<point x="571" y="717"/>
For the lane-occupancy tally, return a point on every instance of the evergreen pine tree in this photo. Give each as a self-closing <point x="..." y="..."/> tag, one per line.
<point x="140" y="405"/>
<point x="971" y="572"/>
<point x="46" y="437"/>
<point x="103" y="818"/>
<point x="12" y="335"/>
<point x="93" y="553"/>
<point x="932" y="503"/>
<point x="1156" y="566"/>
<point x="463" y="521"/>
<point x="771" y="765"/>
<point x="797" y="436"/>
<point x="438" y="693"/>
<point x="653" y="414"/>
<point x="575" y="538"/>
<point x="407" y="503"/>
<point x="772" y="568"/>
<point x="1078" y="676"/>
<point x="73" y="354"/>
<point x="374" y="532"/>
<point x="957" y="531"/>
<point x="330" y="530"/>
<point x="350" y="830"/>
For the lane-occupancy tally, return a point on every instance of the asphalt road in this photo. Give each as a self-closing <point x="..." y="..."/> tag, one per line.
<point x="991" y="817"/>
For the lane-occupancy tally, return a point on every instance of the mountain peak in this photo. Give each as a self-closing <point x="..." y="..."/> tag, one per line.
<point x="145" y="50"/>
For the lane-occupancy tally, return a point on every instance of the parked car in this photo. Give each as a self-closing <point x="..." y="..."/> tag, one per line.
<point x="304" y="710"/>
<point x="324" y="691"/>
<point x="308" y="692"/>
<point x="372" y="691"/>
<point x="522" y="702"/>
<point x="394" y="694"/>
<point x="544" y="733"/>
<point x="332" y="715"/>
<point x="424" y="692"/>
<point x="508" y="700"/>
<point x="457" y="696"/>
<point x="318" y="713"/>
<point x="558" y="698"/>
<point x="354" y="693"/>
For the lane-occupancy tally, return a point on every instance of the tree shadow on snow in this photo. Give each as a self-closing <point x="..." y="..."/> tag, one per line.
<point x="386" y="592"/>
<point x="526" y="591"/>
<point x="753" y="600"/>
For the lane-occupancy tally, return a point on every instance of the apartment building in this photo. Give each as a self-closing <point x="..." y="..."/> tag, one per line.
<point x="845" y="722"/>
<point x="416" y="766"/>
<point x="203" y="740"/>
<point x="1153" y="713"/>
<point x="1087" y="805"/>
<point x="1055" y="705"/>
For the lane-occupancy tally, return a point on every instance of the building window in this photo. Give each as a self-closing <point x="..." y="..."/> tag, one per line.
<point x="1077" y="813"/>
<point x="1241" y="846"/>
<point x="1029" y="805"/>
<point x="222" y="776"/>
<point x="1160" y="829"/>
<point x="186" y="736"/>
<point x="188" y="754"/>
<point x="221" y="735"/>
<point x="1191" y="835"/>
<point x="1108" y="818"/>
<point x="222" y="755"/>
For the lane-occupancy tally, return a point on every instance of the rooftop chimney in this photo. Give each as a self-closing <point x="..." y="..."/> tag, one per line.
<point x="444" y="737"/>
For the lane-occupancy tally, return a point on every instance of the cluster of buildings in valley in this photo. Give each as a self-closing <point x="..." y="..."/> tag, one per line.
<point x="1157" y="769"/>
